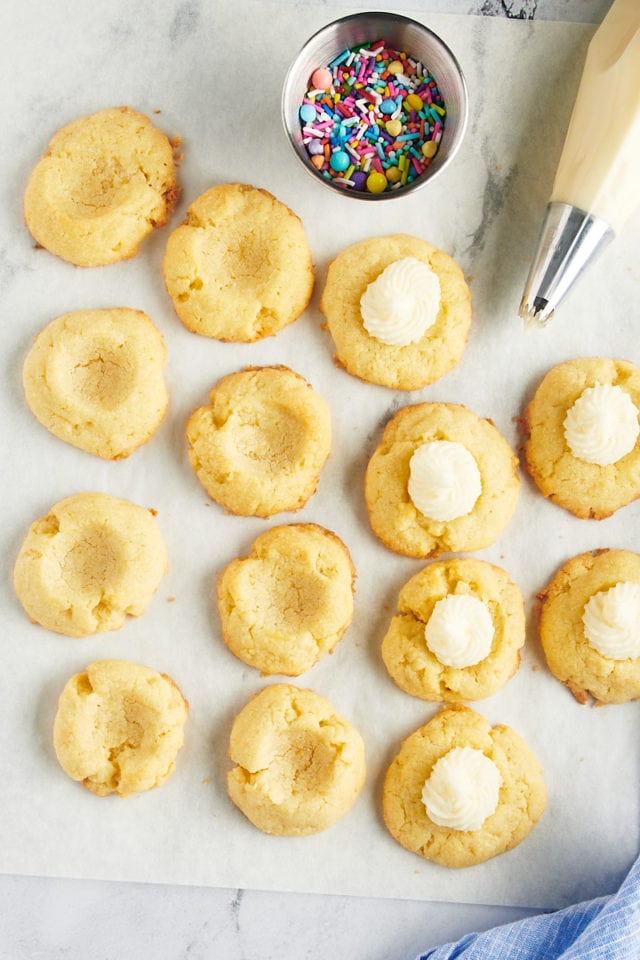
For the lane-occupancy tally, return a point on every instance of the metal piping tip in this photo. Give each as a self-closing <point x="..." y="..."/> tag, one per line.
<point x="569" y="240"/>
<point x="536" y="314"/>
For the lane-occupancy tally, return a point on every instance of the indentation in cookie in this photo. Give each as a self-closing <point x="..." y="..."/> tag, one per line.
<point x="104" y="376"/>
<point x="98" y="558"/>
<point x="299" y="765"/>
<point x="239" y="268"/>
<point x="290" y="601"/>
<point x="258" y="448"/>
<point x="95" y="378"/>
<point x="90" y="563"/>
<point x="119" y="727"/>
<point x="275" y="435"/>
<point x="105" y="182"/>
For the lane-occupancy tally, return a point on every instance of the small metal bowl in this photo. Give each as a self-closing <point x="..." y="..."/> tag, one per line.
<point x="401" y="33"/>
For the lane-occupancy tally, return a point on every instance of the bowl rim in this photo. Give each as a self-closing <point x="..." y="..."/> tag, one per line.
<point x="462" y="122"/>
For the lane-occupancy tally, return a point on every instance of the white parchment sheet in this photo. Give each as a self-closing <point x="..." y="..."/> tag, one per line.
<point x="214" y="74"/>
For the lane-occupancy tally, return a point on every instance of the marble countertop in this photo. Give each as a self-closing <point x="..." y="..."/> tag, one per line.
<point x="62" y="918"/>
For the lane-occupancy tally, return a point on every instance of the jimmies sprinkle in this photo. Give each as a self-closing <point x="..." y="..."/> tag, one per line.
<point x="372" y="119"/>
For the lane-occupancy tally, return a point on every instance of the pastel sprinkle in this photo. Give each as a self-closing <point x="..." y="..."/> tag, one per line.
<point x="372" y="119"/>
<point x="321" y="78"/>
<point x="307" y="112"/>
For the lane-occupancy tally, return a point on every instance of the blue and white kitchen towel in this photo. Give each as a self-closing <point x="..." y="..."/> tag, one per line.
<point x="604" y="929"/>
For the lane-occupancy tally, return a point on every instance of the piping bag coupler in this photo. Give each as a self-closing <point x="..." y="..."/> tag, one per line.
<point x="597" y="184"/>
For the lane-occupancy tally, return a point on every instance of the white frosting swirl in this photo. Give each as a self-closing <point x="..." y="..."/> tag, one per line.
<point x="602" y="425"/>
<point x="462" y="789"/>
<point x="459" y="631"/>
<point x="611" y="621"/>
<point x="444" y="480"/>
<point x="400" y="305"/>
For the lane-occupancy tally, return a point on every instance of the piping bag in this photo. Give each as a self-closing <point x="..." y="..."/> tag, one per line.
<point x="597" y="184"/>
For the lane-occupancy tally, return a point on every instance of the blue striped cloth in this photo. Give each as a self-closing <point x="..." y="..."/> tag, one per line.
<point x="604" y="929"/>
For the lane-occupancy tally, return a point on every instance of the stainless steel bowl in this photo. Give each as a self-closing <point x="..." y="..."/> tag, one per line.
<point x="401" y="33"/>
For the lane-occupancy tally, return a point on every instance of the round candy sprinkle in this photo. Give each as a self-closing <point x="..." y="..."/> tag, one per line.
<point x="307" y="112"/>
<point x="414" y="102"/>
<point x="372" y="119"/>
<point x="376" y="182"/>
<point x="339" y="160"/>
<point x="321" y="78"/>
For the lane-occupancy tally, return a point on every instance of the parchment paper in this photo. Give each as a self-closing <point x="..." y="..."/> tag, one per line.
<point x="214" y="73"/>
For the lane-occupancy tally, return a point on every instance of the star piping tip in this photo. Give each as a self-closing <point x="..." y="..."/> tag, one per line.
<point x="536" y="315"/>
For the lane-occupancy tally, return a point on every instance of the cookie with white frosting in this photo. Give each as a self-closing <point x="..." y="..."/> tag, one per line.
<point x="582" y="436"/>
<point x="461" y="791"/>
<point x="458" y="631"/>
<point x="398" y="310"/>
<point x="441" y="479"/>
<point x="298" y="764"/>
<point x="589" y="624"/>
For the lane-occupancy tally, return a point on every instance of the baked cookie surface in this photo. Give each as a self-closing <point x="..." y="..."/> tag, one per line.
<point x="240" y="267"/>
<point x="472" y="480"/>
<point x="299" y="764"/>
<point x="590" y="636"/>
<point x="105" y="182"/>
<point x="584" y="397"/>
<point x="407" y="366"/>
<point x="91" y="562"/>
<point x="519" y="798"/>
<point x="258" y="448"/>
<point x="287" y="604"/>
<point x="94" y="378"/>
<point x="119" y="727"/>
<point x="458" y="631"/>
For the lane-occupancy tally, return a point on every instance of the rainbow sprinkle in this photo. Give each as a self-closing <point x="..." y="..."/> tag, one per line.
<point x="372" y="119"/>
